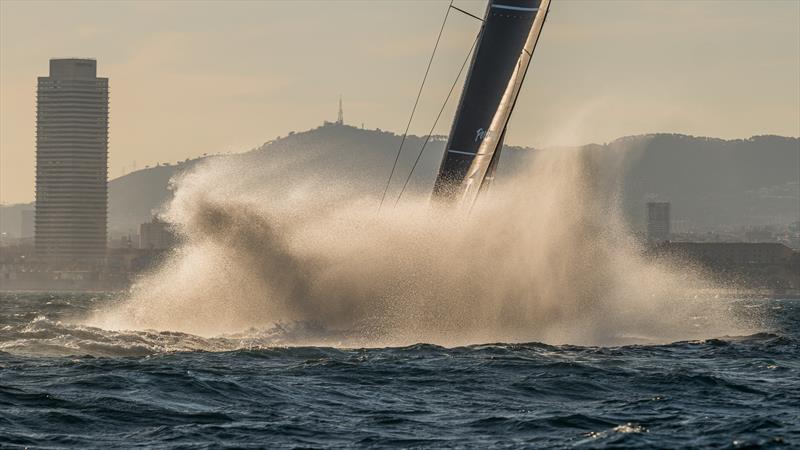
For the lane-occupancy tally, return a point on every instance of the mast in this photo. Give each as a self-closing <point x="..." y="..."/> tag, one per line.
<point x="507" y="39"/>
<point x="489" y="178"/>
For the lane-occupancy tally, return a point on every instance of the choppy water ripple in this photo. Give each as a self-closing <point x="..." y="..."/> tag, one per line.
<point x="67" y="385"/>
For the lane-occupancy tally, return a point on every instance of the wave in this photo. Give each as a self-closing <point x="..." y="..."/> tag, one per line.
<point x="43" y="337"/>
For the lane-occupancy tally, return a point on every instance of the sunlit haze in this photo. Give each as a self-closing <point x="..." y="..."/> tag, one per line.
<point x="194" y="78"/>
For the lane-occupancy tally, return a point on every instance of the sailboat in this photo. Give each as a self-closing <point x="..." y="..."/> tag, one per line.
<point x="505" y="46"/>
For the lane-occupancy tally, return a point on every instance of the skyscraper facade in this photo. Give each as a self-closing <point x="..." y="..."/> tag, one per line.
<point x="658" y="220"/>
<point x="71" y="161"/>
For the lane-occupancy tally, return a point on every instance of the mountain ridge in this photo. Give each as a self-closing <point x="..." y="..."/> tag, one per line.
<point x="702" y="176"/>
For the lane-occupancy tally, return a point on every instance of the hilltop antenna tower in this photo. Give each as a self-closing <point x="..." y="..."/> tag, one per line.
<point x="340" y="119"/>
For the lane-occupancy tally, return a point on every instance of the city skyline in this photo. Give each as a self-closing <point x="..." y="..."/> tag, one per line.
<point x="184" y="87"/>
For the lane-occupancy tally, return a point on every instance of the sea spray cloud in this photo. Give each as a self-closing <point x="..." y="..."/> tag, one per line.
<point x="544" y="257"/>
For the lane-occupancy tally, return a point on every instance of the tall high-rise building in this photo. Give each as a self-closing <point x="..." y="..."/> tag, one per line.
<point x="71" y="161"/>
<point x="658" y="221"/>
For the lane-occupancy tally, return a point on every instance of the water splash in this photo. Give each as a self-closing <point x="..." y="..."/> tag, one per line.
<point x="545" y="257"/>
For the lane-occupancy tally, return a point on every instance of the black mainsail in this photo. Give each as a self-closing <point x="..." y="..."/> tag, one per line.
<point x="505" y="47"/>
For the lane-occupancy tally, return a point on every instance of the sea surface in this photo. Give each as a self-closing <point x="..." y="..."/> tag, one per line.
<point x="66" y="385"/>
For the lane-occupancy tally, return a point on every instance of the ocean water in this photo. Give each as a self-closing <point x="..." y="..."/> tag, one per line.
<point x="69" y="385"/>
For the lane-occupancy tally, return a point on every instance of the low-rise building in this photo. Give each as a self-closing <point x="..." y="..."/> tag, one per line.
<point x="156" y="235"/>
<point x="762" y="265"/>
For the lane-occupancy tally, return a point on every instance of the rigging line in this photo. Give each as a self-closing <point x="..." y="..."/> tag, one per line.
<point x="465" y="12"/>
<point x="428" y="138"/>
<point x="414" y="109"/>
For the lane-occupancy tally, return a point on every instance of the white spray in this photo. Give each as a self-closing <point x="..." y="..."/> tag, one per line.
<point x="544" y="257"/>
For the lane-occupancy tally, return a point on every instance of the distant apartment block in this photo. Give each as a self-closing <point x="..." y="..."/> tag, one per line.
<point x="658" y="218"/>
<point x="156" y="235"/>
<point x="71" y="161"/>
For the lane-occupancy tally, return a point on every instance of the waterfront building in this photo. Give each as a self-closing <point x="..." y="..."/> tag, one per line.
<point x="156" y="235"/>
<point x="71" y="162"/>
<point x="26" y="224"/>
<point x="731" y="253"/>
<point x="763" y="265"/>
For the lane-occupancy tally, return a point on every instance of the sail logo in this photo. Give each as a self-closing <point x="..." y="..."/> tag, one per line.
<point x="480" y="134"/>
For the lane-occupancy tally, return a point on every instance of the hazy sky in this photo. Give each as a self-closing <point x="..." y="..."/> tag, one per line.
<point x="189" y="78"/>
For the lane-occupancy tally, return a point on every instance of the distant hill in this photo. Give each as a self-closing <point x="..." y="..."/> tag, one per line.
<point x="135" y="197"/>
<point x="753" y="181"/>
<point x="709" y="181"/>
